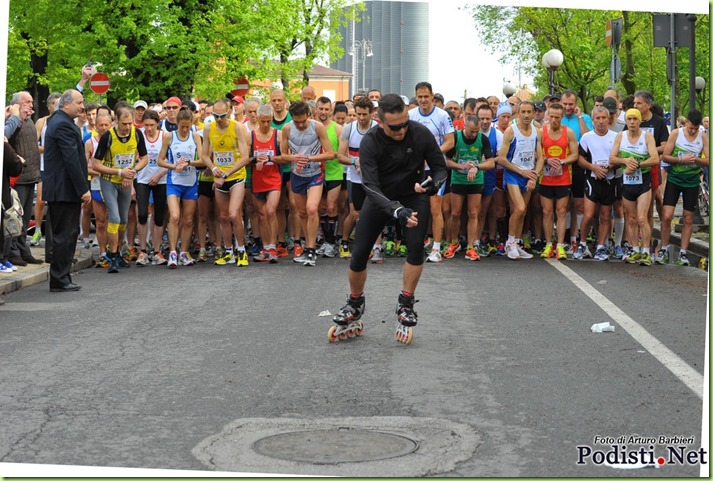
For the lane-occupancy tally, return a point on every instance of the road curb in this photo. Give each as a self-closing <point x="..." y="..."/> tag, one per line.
<point x="40" y="273"/>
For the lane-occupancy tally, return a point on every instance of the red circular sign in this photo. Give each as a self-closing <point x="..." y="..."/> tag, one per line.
<point x="241" y="87"/>
<point x="99" y="83"/>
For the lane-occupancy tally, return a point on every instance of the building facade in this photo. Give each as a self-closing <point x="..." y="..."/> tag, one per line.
<point x="388" y="48"/>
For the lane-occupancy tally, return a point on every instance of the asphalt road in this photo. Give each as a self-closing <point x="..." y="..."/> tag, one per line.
<point x="188" y="369"/>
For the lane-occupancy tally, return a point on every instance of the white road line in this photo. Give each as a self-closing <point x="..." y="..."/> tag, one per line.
<point x="689" y="376"/>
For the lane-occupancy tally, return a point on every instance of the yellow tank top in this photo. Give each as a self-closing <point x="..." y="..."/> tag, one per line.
<point x="121" y="155"/>
<point x="225" y="150"/>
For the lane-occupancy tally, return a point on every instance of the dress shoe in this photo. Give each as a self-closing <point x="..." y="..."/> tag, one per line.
<point x="18" y="261"/>
<point x="68" y="288"/>
<point x="32" y="260"/>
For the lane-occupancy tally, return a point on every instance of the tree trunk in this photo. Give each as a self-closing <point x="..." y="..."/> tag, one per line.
<point x="38" y="64"/>
<point x="627" y="78"/>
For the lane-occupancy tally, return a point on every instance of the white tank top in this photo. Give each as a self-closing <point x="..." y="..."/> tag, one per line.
<point x="152" y="149"/>
<point x="307" y="143"/>
<point x="182" y="149"/>
<point x="523" y="153"/>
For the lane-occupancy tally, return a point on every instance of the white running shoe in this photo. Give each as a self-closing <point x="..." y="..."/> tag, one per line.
<point x="435" y="256"/>
<point x="512" y="251"/>
<point x="523" y="253"/>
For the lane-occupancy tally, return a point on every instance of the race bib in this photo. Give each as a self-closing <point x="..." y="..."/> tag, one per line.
<point x="526" y="161"/>
<point x="223" y="159"/>
<point x="633" y="179"/>
<point x="550" y="171"/>
<point x="123" y="160"/>
<point x="153" y="160"/>
<point x="602" y="162"/>
<point x="187" y="170"/>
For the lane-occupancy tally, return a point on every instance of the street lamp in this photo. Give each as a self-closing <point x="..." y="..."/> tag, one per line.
<point x="700" y="87"/>
<point x="509" y="90"/>
<point x="552" y="61"/>
<point x="366" y="48"/>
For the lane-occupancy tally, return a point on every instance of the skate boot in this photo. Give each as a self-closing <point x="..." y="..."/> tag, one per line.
<point x="407" y="319"/>
<point x="348" y="320"/>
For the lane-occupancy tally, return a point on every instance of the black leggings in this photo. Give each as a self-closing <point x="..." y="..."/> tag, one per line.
<point x="372" y="221"/>
<point x="159" y="202"/>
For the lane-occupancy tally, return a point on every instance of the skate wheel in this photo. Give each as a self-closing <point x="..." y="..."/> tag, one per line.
<point x="330" y="334"/>
<point x="343" y="336"/>
<point x="408" y="339"/>
<point x="351" y="333"/>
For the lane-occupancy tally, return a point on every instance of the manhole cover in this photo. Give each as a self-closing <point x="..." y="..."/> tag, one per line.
<point x="335" y="446"/>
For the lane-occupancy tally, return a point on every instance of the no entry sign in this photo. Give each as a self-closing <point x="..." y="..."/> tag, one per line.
<point x="99" y="83"/>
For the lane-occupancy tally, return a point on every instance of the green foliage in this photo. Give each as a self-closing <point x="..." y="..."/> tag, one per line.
<point x="155" y="49"/>
<point x="522" y="35"/>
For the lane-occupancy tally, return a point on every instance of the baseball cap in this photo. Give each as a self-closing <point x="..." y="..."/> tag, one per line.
<point x="555" y="97"/>
<point x="141" y="103"/>
<point x="439" y="97"/>
<point x="239" y="99"/>
<point x="610" y="105"/>
<point x="540" y="106"/>
<point x="174" y="100"/>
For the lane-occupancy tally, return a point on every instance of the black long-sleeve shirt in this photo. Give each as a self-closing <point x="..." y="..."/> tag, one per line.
<point x="390" y="168"/>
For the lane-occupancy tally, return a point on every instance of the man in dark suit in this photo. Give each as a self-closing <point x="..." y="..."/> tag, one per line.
<point x="65" y="186"/>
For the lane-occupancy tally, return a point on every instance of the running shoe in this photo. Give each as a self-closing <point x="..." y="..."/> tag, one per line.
<point x="435" y="256"/>
<point x="282" y="250"/>
<point x="482" y="251"/>
<point x="256" y="249"/>
<point x="36" y="237"/>
<point x="377" y="257"/>
<point x="242" y="259"/>
<point x="219" y="252"/>
<point x="428" y="244"/>
<point x="158" y="259"/>
<point x="103" y="263"/>
<point x="344" y="251"/>
<point x="114" y="264"/>
<point x="645" y="259"/>
<point x="228" y="258"/>
<point x="123" y="261"/>
<point x="310" y="260"/>
<point x="4" y="269"/>
<point x="512" y="251"/>
<point x="290" y="242"/>
<point x="389" y="248"/>
<point x="523" y="253"/>
<point x="618" y="252"/>
<point x="452" y="250"/>
<point x="500" y="250"/>
<point x="320" y="250"/>
<point x="172" y="260"/>
<point x="571" y="248"/>
<point x="143" y="259"/>
<point x="492" y="247"/>
<point x="402" y="251"/>
<point x="632" y="257"/>
<point x="330" y="250"/>
<point x="9" y="265"/>
<point x="548" y="252"/>
<point x="661" y="257"/>
<point x="472" y="254"/>
<point x="202" y="255"/>
<point x="298" y="250"/>
<point x="185" y="259"/>
<point x="561" y="253"/>
<point x="683" y="259"/>
<point x="601" y="254"/>
<point x="582" y="252"/>
<point x="132" y="253"/>
<point x="263" y="256"/>
<point x="300" y="259"/>
<point x="272" y="256"/>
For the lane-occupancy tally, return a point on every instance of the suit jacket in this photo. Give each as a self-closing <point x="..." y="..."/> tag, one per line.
<point x="65" y="163"/>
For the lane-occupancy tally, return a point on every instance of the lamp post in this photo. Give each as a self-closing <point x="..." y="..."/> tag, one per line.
<point x="552" y="61"/>
<point x="509" y="90"/>
<point x="365" y="47"/>
<point x="700" y="87"/>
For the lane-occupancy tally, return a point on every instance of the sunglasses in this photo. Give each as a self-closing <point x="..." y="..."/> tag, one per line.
<point x="220" y="116"/>
<point x="398" y="127"/>
<point x="171" y="107"/>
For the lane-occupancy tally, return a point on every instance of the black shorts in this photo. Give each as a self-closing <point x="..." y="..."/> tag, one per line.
<point x="555" y="191"/>
<point x="285" y="178"/>
<point x="356" y="194"/>
<point x="205" y="189"/>
<point x="447" y="189"/>
<point x="578" y="178"/>
<point x="229" y="184"/>
<point x="673" y="192"/>
<point x="262" y="195"/>
<point x="603" y="191"/>
<point x="331" y="184"/>
<point x="466" y="189"/>
<point x="633" y="192"/>
<point x="371" y="224"/>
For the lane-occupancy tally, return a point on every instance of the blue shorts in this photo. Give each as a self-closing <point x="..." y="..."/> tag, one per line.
<point x="186" y="192"/>
<point x="517" y="179"/>
<point x="97" y="196"/>
<point x="300" y="185"/>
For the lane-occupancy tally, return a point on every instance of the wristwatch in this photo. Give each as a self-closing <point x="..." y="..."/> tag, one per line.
<point x="561" y="162"/>
<point x="224" y="176"/>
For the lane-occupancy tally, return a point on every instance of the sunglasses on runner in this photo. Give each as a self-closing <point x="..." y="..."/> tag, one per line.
<point x="398" y="127"/>
<point x="171" y="107"/>
<point x="220" y="116"/>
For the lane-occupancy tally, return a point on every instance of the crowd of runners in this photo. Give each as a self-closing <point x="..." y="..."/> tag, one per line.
<point x="239" y="181"/>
